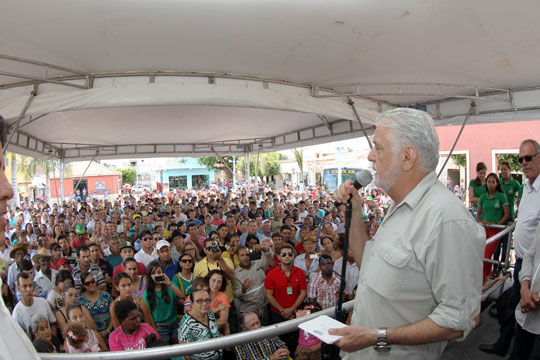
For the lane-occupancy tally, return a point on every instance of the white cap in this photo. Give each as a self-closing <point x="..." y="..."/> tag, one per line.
<point x="162" y="243"/>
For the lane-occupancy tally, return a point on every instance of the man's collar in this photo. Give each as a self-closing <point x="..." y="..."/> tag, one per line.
<point x="415" y="195"/>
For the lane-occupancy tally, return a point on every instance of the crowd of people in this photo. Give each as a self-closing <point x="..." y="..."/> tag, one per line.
<point x="154" y="270"/>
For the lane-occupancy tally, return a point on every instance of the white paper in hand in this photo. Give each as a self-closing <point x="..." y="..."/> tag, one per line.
<point x="319" y="327"/>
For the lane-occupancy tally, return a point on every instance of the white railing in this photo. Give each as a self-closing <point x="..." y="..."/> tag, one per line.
<point x="167" y="352"/>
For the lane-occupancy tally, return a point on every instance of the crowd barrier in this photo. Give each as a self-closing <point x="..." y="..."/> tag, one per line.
<point x="167" y="352"/>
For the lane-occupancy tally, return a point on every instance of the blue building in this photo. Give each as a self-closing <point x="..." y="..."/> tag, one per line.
<point x="190" y="174"/>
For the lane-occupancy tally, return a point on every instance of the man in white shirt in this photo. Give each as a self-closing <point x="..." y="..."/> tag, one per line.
<point x="30" y="305"/>
<point x="421" y="287"/>
<point x="147" y="253"/>
<point x="351" y="274"/>
<point x="527" y="220"/>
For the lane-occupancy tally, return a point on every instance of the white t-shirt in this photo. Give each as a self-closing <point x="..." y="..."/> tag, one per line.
<point x="22" y="313"/>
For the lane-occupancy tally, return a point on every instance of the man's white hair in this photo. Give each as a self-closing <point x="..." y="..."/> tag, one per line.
<point x="416" y="128"/>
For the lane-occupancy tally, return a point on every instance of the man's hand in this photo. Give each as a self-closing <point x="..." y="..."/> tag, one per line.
<point x="287" y="313"/>
<point x="346" y="191"/>
<point x="354" y="338"/>
<point x="281" y="353"/>
<point x="529" y="300"/>
<point x="246" y="284"/>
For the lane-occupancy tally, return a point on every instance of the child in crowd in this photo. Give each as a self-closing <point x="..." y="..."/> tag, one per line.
<point x="309" y="347"/>
<point x="78" y="339"/>
<point x="93" y="340"/>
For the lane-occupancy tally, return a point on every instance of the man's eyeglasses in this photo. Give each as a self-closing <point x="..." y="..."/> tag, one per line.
<point x="290" y="254"/>
<point x="186" y="261"/>
<point x="528" y="158"/>
<point x="146" y="238"/>
<point x="206" y="301"/>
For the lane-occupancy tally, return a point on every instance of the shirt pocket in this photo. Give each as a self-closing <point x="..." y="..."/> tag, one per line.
<point x="387" y="270"/>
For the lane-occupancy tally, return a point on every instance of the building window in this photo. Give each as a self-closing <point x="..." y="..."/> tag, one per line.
<point x="199" y="181"/>
<point x="177" y="182"/>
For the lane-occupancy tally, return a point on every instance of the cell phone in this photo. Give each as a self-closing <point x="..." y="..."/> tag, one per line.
<point x="159" y="278"/>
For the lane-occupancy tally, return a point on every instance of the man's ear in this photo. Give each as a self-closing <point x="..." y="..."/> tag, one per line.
<point x="408" y="157"/>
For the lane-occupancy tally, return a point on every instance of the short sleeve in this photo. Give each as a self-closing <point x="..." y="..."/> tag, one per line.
<point x="303" y="282"/>
<point x="269" y="281"/>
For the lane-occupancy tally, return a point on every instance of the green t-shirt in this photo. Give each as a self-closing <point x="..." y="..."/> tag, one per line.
<point x="183" y="284"/>
<point x="510" y="189"/>
<point x="163" y="313"/>
<point x="493" y="209"/>
<point x="478" y="191"/>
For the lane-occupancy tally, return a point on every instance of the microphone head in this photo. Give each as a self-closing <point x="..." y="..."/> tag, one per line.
<point x="364" y="177"/>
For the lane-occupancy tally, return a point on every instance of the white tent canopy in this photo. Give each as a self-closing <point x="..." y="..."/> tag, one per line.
<point x="134" y="78"/>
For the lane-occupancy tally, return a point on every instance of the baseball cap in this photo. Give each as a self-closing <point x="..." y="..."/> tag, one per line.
<point x="80" y="229"/>
<point x="161" y="244"/>
<point x="243" y="211"/>
<point x="62" y="261"/>
<point x="126" y="244"/>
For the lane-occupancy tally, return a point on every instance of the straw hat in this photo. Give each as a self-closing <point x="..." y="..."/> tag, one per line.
<point x="42" y="253"/>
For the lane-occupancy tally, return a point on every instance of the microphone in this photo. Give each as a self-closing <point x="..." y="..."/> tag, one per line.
<point x="363" y="178"/>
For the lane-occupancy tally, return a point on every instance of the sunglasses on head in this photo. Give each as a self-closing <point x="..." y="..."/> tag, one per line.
<point x="290" y="254"/>
<point x="528" y="158"/>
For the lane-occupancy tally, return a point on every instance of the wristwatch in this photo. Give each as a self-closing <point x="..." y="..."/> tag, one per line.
<point x="382" y="344"/>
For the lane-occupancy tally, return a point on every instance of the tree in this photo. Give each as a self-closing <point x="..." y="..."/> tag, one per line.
<point x="30" y="166"/>
<point x="459" y="159"/>
<point x="128" y="175"/>
<point x="511" y="159"/>
<point x="215" y="162"/>
<point x="299" y="155"/>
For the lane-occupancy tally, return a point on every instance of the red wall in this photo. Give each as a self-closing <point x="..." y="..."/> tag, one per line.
<point x="111" y="184"/>
<point x="481" y="139"/>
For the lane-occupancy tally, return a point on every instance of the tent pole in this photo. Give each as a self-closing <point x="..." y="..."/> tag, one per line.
<point x="21" y="115"/>
<point x="360" y="122"/>
<point x="62" y="169"/>
<point x="80" y="179"/>
<point x="471" y="109"/>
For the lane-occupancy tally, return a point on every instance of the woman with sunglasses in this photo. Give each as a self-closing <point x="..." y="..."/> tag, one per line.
<point x="183" y="279"/>
<point x="492" y="209"/>
<point x="199" y="324"/>
<point x="97" y="302"/>
<point x="123" y="284"/>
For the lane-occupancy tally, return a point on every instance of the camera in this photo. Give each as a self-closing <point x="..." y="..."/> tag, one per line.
<point x="254" y="255"/>
<point x="159" y="278"/>
<point x="214" y="248"/>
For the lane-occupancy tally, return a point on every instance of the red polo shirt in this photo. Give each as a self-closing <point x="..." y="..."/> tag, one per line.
<point x="277" y="281"/>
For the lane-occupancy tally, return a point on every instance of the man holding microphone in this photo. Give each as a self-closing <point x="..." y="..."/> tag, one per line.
<point x="420" y="281"/>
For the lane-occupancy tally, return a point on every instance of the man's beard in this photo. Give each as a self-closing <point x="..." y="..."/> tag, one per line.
<point x="389" y="180"/>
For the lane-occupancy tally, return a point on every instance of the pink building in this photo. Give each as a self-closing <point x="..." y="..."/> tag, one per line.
<point x="482" y="142"/>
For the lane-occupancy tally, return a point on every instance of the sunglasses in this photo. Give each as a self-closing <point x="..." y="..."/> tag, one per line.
<point x="185" y="261"/>
<point x="90" y="282"/>
<point x="290" y="254"/>
<point x="146" y="238"/>
<point x="204" y="301"/>
<point x="528" y="158"/>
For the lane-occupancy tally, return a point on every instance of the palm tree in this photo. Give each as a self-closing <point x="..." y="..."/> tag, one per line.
<point x="29" y="166"/>
<point x="299" y="155"/>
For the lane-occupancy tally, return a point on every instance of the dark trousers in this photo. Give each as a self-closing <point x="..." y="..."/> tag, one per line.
<point x="509" y="323"/>
<point x="290" y="339"/>
<point x="526" y="345"/>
